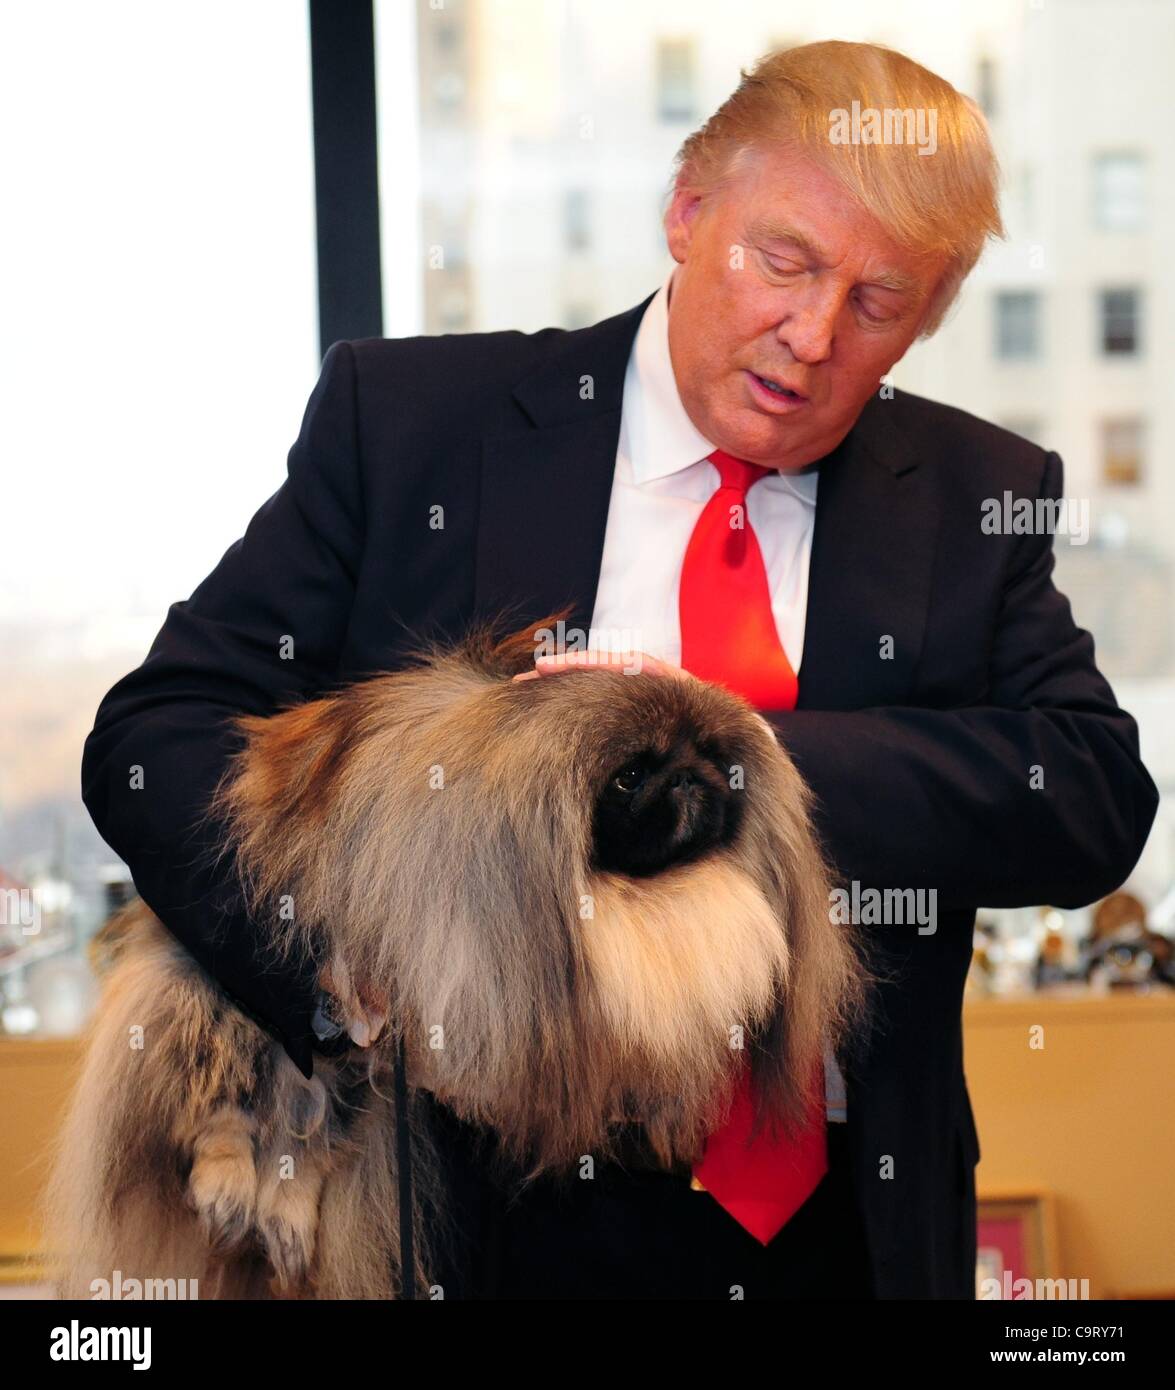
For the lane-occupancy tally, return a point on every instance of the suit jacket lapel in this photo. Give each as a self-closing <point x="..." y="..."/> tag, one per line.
<point x="545" y="489"/>
<point x="546" y="483"/>
<point x="870" y="573"/>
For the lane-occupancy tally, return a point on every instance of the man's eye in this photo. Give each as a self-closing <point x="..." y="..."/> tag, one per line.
<point x="783" y="267"/>
<point x="870" y="314"/>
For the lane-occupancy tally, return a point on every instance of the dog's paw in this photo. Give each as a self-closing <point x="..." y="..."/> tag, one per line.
<point x="222" y="1191"/>
<point x="287" y="1221"/>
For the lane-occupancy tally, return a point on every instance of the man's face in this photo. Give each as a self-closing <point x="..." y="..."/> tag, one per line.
<point x="783" y="278"/>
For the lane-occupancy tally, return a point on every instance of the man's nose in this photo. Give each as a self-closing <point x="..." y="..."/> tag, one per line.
<point x="810" y="325"/>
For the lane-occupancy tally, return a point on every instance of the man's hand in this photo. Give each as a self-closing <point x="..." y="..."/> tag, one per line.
<point x="631" y="663"/>
<point x="362" y="1012"/>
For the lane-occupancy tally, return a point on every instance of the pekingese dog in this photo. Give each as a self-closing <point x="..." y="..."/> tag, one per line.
<point x="561" y="906"/>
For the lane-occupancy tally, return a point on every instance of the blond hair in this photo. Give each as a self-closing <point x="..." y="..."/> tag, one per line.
<point x="945" y="204"/>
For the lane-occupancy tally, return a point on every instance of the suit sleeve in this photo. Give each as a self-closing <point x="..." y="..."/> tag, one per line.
<point x="264" y="628"/>
<point x="1038" y="796"/>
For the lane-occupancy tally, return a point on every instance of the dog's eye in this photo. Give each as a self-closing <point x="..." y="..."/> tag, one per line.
<point x="629" y="778"/>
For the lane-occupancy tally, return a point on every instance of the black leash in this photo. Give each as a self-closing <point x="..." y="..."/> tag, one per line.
<point x="404" y="1177"/>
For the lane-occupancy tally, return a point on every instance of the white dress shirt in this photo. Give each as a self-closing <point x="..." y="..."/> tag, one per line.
<point x="663" y="480"/>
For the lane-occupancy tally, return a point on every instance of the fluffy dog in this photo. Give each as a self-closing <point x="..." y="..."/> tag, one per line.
<point x="560" y="906"/>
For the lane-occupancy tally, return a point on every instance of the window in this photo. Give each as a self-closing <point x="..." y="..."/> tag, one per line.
<point x="171" y="231"/>
<point x="1017" y="324"/>
<point x="1119" y="192"/>
<point x="676" y="97"/>
<point x="579" y="314"/>
<point x="452" y="314"/>
<point x="1029" y="427"/>
<point x="985" y="87"/>
<point x="576" y="226"/>
<point x="1120" y="314"/>
<point x="449" y="89"/>
<point x="446" y="231"/>
<point x="1027" y="190"/>
<point x="1122" y="451"/>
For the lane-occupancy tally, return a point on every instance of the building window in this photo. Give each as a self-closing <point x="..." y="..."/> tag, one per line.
<point x="1119" y="191"/>
<point x="1017" y="324"/>
<point x="985" y="87"/>
<point x="1122" y="451"/>
<point x="662" y="205"/>
<point x="1028" y="186"/>
<point x="1120" y="322"/>
<point x="449" y="89"/>
<point x="576" y="225"/>
<point x="453" y="315"/>
<point x="578" y="314"/>
<point x="676" y="80"/>
<point x="1028" y="427"/>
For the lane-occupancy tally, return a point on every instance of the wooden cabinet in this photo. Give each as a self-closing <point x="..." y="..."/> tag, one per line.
<point x="1089" y="1116"/>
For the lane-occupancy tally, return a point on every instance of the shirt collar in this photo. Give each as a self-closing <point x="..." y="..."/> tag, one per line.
<point x="662" y="439"/>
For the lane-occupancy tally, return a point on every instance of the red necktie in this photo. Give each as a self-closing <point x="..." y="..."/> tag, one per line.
<point x="728" y="636"/>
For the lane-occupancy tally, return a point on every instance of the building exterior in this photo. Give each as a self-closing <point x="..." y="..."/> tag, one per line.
<point x="547" y="146"/>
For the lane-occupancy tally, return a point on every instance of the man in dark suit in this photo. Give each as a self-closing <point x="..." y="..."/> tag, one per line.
<point x="950" y="718"/>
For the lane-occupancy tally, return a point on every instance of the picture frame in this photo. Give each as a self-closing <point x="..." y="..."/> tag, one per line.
<point x="1016" y="1240"/>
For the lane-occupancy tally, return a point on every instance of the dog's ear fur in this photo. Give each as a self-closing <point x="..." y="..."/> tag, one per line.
<point x="511" y="654"/>
<point x="289" y="763"/>
<point x="279" y="793"/>
<point x="276" y="797"/>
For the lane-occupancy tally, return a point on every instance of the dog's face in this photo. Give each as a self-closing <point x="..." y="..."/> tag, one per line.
<point x="667" y="804"/>
<point x="581" y="893"/>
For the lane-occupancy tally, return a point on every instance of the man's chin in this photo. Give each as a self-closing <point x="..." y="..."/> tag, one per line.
<point x="775" y="442"/>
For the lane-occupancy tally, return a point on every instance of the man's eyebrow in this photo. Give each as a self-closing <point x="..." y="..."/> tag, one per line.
<point x="894" y="280"/>
<point x="769" y="229"/>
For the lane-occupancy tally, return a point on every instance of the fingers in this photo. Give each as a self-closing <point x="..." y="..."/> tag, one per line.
<point x="363" y="1009"/>
<point x="630" y="663"/>
<point x="374" y="1014"/>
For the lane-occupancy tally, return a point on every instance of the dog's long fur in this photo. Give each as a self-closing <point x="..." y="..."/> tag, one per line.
<point x="430" y="834"/>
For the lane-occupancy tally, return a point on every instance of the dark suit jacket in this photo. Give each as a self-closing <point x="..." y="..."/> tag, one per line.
<point x="921" y="763"/>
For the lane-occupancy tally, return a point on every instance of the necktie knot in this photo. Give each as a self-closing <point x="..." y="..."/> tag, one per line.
<point x="737" y="473"/>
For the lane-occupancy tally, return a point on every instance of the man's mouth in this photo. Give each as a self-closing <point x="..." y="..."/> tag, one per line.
<point x="780" y="389"/>
<point x="771" y="389"/>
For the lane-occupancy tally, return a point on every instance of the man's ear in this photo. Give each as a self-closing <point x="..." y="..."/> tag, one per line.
<point x="679" y="220"/>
